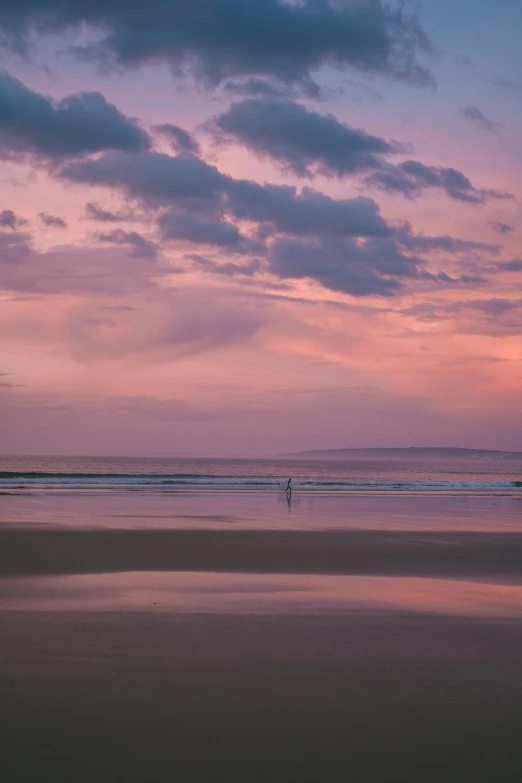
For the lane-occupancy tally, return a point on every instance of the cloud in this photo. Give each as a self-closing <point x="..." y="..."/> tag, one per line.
<point x="503" y="84"/>
<point x="223" y="39"/>
<point x="475" y="116"/>
<point x="83" y="123"/>
<point x="262" y="88"/>
<point x="154" y="177"/>
<point x="515" y="265"/>
<point x="95" y="212"/>
<point x="199" y="229"/>
<point x="500" y="228"/>
<point x="81" y="271"/>
<point x="9" y="219"/>
<point x="411" y="178"/>
<point x="169" y="324"/>
<point x="227" y="269"/>
<point x="349" y="247"/>
<point x="308" y="143"/>
<point x="307" y="212"/>
<point x="302" y="140"/>
<point x="13" y="248"/>
<point x="180" y="139"/>
<point x="344" y="265"/>
<point x="494" y="307"/>
<point x="446" y="244"/>
<point x="173" y="324"/>
<point x="52" y="220"/>
<point x="141" y="247"/>
<point x="190" y="184"/>
<point x="496" y="317"/>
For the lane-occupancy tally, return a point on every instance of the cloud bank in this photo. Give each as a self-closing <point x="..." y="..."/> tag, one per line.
<point x="215" y="40"/>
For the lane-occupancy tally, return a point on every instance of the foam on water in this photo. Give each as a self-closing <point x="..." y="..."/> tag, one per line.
<point x="111" y="474"/>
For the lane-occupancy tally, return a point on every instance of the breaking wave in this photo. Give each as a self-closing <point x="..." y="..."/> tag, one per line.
<point x="15" y="481"/>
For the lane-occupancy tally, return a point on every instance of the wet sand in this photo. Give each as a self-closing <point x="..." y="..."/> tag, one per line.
<point x="240" y="654"/>
<point x="493" y="555"/>
<point x="364" y="696"/>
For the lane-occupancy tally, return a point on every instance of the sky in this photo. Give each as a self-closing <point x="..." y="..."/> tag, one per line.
<point x="247" y="227"/>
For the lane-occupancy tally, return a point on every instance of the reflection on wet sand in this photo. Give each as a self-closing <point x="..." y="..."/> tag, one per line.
<point x="225" y="593"/>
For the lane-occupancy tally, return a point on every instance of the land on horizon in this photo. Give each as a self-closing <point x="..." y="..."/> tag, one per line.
<point x="441" y="452"/>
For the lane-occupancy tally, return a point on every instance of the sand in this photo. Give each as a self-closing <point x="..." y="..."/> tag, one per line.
<point x="495" y="555"/>
<point x="362" y="696"/>
<point x="260" y="655"/>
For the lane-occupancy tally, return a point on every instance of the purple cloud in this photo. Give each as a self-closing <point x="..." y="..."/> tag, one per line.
<point x="84" y="123"/>
<point x="52" y="220"/>
<point x="222" y="39"/>
<point x="303" y="141"/>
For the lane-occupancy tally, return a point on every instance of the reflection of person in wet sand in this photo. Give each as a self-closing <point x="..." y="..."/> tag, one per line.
<point x="288" y="489"/>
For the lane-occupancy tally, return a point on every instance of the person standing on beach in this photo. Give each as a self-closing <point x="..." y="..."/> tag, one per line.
<point x="288" y="487"/>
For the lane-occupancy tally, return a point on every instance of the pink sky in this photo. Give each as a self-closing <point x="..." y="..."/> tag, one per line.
<point x="119" y="337"/>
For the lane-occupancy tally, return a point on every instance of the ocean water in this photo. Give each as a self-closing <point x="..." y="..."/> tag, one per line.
<point x="481" y="476"/>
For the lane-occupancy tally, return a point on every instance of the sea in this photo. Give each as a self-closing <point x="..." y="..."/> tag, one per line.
<point x="482" y="475"/>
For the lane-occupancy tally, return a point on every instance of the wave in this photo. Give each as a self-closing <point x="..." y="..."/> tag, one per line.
<point x="43" y="481"/>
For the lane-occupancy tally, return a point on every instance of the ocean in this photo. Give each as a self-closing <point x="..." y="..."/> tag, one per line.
<point x="481" y="476"/>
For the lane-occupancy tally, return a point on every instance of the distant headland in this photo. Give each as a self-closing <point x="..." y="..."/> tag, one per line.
<point x="412" y="452"/>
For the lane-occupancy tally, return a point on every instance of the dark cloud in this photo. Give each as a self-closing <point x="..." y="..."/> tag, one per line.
<point x="155" y="178"/>
<point x="95" y="212"/>
<point x="189" y="183"/>
<point x="475" y="116"/>
<point x="215" y="40"/>
<point x="501" y="228"/>
<point x="180" y="139"/>
<point x="308" y="212"/>
<point x="461" y="280"/>
<point x="309" y="143"/>
<point x="302" y="140"/>
<point x="411" y="178"/>
<point x="344" y="265"/>
<point x="9" y="219"/>
<point x="493" y="308"/>
<point x="31" y="124"/>
<point x="515" y="265"/>
<point x="349" y="247"/>
<point x="199" y="229"/>
<point x="141" y="247"/>
<point x="446" y="244"/>
<point x="52" y="220"/>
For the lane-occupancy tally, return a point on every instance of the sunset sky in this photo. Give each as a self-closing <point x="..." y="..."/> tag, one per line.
<point x="245" y="227"/>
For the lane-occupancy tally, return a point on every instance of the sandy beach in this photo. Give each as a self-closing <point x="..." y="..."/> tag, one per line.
<point x="229" y="651"/>
<point x="367" y="696"/>
<point x="493" y="555"/>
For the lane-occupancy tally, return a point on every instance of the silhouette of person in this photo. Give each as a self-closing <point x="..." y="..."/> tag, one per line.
<point x="288" y="488"/>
